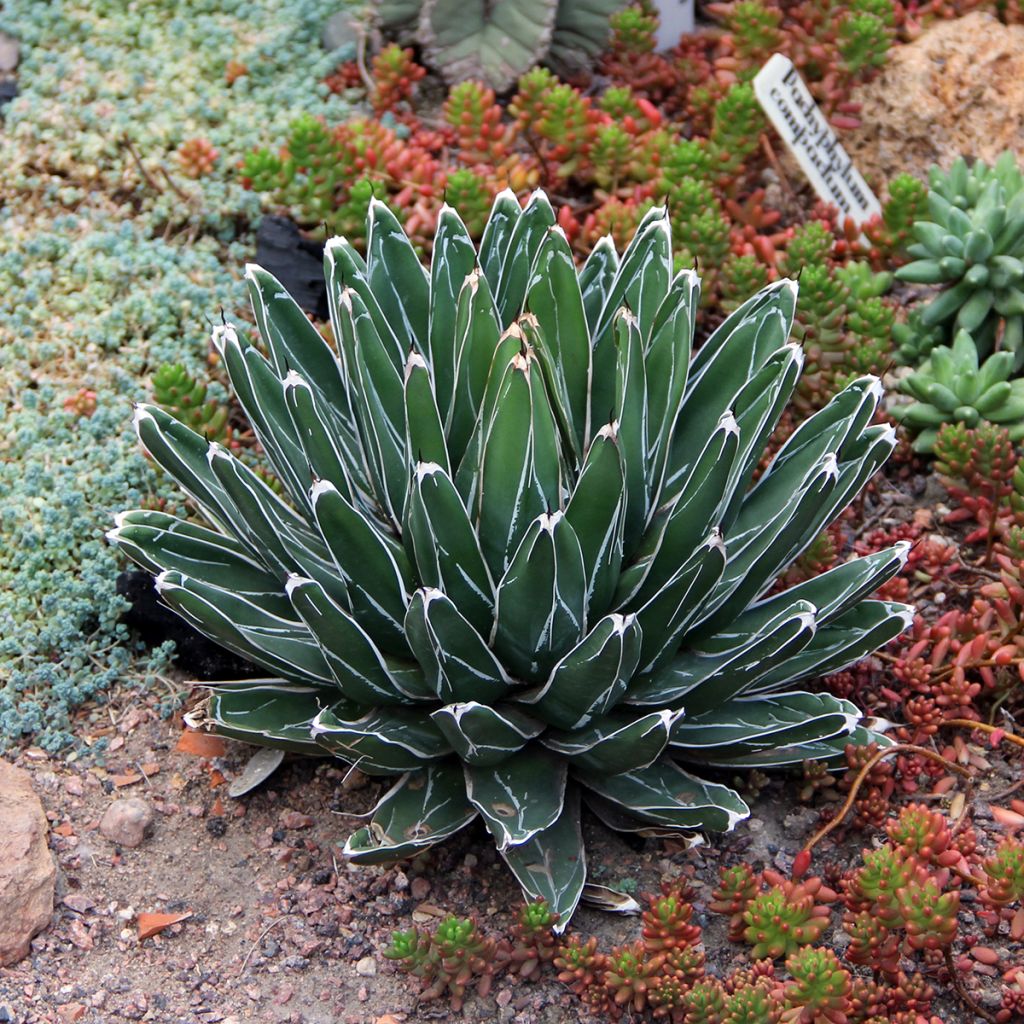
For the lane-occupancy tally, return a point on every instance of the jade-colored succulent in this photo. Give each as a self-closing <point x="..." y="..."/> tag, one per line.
<point x="950" y="387"/>
<point x="518" y="559"/>
<point x="786" y="916"/>
<point x="184" y="397"/>
<point x="973" y="242"/>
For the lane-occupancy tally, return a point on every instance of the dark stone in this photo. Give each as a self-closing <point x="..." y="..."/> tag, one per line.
<point x="296" y="261"/>
<point x="155" y="623"/>
<point x="216" y="827"/>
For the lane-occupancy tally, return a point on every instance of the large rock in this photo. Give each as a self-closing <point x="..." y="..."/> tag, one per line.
<point x="27" y="870"/>
<point x="958" y="89"/>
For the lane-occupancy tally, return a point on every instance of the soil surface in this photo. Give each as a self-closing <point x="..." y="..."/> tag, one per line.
<point x="282" y="929"/>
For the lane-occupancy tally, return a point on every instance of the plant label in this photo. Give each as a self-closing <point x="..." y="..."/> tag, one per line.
<point x="793" y="113"/>
<point x="675" y="17"/>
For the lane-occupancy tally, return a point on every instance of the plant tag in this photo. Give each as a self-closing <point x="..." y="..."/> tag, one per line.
<point x="675" y="18"/>
<point x="792" y="111"/>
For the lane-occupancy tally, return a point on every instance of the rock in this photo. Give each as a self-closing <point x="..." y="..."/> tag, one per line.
<point x="296" y="261"/>
<point x="27" y="871"/>
<point x="367" y="967"/>
<point x="340" y="29"/>
<point x="958" y="89"/>
<point x="10" y="52"/>
<point x="126" y="822"/>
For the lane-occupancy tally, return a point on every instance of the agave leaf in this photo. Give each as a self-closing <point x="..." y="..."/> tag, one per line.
<point x="422" y="809"/>
<point x="614" y="744"/>
<point x="596" y="512"/>
<point x="779" y="295"/>
<point x="592" y="678"/>
<point x="286" y="540"/>
<point x="552" y="864"/>
<point x="386" y="741"/>
<point x="483" y="40"/>
<point x="540" y="609"/>
<point x="264" y="632"/>
<point x="477" y="340"/>
<point x="182" y="453"/>
<point x="380" y="411"/>
<point x="525" y="241"/>
<point x="630" y="413"/>
<point x="459" y="665"/>
<point x="347" y="273"/>
<point x="519" y="797"/>
<point x="615" y="818"/>
<point x="751" y="723"/>
<point x="423" y="430"/>
<point x="376" y="574"/>
<point x="452" y="262"/>
<point x="441" y="541"/>
<point x="363" y="674"/>
<point x="596" y="277"/>
<point x="269" y="712"/>
<point x="664" y="794"/>
<point x="666" y="364"/>
<point x="294" y="344"/>
<point x="482" y="735"/>
<point x="259" y="392"/>
<point x="158" y="541"/>
<point x="699" y="681"/>
<point x="331" y="453"/>
<point x="680" y="525"/>
<point x="831" y="751"/>
<point x="641" y="281"/>
<point x="397" y="278"/>
<point x="846" y="639"/>
<point x="563" y="341"/>
<point x="832" y="593"/>
<point x="511" y="491"/>
<point x="757" y="409"/>
<point x="666" y="616"/>
<point x="581" y="31"/>
<point x="504" y="215"/>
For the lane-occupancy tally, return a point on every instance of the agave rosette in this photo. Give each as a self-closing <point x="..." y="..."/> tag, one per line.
<point x="520" y="557"/>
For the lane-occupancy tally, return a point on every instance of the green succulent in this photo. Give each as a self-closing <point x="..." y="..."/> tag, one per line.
<point x="497" y="42"/>
<point x="519" y="558"/>
<point x="950" y="387"/>
<point x="973" y="242"/>
<point x="184" y="397"/>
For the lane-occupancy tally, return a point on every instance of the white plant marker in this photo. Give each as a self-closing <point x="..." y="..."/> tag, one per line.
<point x="674" y="18"/>
<point x="787" y="101"/>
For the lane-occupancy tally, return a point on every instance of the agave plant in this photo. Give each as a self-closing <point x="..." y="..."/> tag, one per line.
<point x="521" y="557"/>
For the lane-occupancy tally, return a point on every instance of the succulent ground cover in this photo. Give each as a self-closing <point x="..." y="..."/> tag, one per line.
<point x="113" y="256"/>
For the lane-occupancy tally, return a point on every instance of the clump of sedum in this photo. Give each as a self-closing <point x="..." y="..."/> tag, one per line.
<point x="519" y="562"/>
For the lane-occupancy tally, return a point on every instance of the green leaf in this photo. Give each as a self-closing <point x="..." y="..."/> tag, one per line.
<point x="519" y="797"/>
<point x="630" y="413"/>
<point x="563" y="340"/>
<point x="540" y="610"/>
<point x="458" y="664"/>
<point x="592" y="678"/>
<point x="613" y="744"/>
<point x="698" y="681"/>
<point x="483" y="40"/>
<point x="528" y="234"/>
<point x="158" y="541"/>
<point x="423" y="430"/>
<point x="397" y="278"/>
<point x="443" y="544"/>
<point x="482" y="735"/>
<point x="664" y="794"/>
<point x="363" y="674"/>
<point x="265" y="631"/>
<point x="388" y="741"/>
<point x="422" y="809"/>
<point x="268" y="712"/>
<point x="504" y="215"/>
<point x="752" y="723"/>
<point x="552" y="864"/>
<point x="376" y="574"/>
<point x="452" y="260"/>
<point x="596" y="277"/>
<point x="596" y="512"/>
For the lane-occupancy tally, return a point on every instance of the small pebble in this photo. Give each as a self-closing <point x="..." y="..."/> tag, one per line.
<point x="127" y="821"/>
<point x="367" y="967"/>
